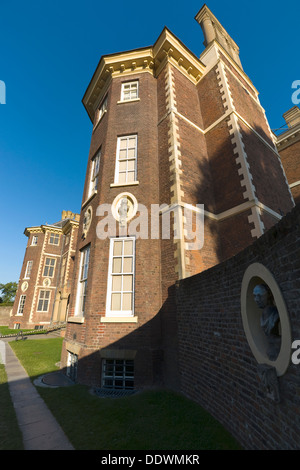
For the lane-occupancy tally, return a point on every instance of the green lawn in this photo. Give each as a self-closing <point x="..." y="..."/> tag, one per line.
<point x="150" y="420"/>
<point x="5" y="330"/>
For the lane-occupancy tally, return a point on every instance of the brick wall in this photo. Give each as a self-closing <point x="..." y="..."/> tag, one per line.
<point x="217" y="368"/>
<point x="290" y="156"/>
<point x="5" y="315"/>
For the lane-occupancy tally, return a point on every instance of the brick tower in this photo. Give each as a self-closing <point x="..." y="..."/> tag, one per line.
<point x="172" y="134"/>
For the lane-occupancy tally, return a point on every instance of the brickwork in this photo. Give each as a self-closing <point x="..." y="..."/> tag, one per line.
<point x="217" y="367"/>
<point x="31" y="285"/>
<point x="290" y="157"/>
<point x="202" y="138"/>
<point x="5" y="315"/>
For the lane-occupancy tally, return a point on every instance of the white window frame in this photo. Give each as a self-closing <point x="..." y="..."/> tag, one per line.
<point x="95" y="167"/>
<point x="21" y="304"/>
<point x="34" y="240"/>
<point x="119" y="160"/>
<point x="55" y="239"/>
<point x="49" y="267"/>
<point x="28" y="269"/>
<point x="109" y="311"/>
<point x="44" y="300"/>
<point x="101" y="111"/>
<point x="82" y="282"/>
<point x="130" y="91"/>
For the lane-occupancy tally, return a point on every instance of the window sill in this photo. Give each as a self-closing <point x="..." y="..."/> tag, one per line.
<point x="128" y="101"/>
<point x="119" y="319"/>
<point x="75" y="319"/>
<point x="118" y="185"/>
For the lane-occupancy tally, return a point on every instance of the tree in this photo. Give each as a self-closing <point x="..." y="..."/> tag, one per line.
<point x="8" y="291"/>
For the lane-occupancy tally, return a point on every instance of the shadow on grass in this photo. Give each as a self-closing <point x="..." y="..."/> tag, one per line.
<point x="149" y="420"/>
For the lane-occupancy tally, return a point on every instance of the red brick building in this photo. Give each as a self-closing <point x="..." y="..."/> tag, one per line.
<point x="288" y="145"/>
<point x="45" y="281"/>
<point x="170" y="131"/>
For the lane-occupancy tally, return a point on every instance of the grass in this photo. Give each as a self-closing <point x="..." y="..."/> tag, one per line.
<point x="10" y="435"/>
<point x="150" y="420"/>
<point x="5" y="330"/>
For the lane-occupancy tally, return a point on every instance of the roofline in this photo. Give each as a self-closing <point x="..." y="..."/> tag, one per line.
<point x="150" y="51"/>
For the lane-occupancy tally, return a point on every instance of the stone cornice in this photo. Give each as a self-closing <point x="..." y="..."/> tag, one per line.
<point x="288" y="137"/>
<point x="149" y="59"/>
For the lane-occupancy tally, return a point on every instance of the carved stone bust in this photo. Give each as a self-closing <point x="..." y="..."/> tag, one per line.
<point x="270" y="320"/>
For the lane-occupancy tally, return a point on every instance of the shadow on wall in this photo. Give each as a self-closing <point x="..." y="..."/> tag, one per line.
<point x="217" y="367"/>
<point x="227" y="176"/>
<point x="152" y="347"/>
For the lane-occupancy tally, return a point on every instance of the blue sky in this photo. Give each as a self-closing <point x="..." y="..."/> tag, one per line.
<point x="49" y="51"/>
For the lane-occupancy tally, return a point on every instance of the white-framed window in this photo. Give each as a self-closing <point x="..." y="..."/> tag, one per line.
<point x="21" y="305"/>
<point x="118" y="374"/>
<point x="82" y="281"/>
<point x="120" y="286"/>
<point x="34" y="240"/>
<point x="43" y="302"/>
<point x="126" y="162"/>
<point x="28" y="269"/>
<point x="72" y="364"/>
<point x="101" y="110"/>
<point x="49" y="267"/>
<point x="54" y="239"/>
<point x="130" y="90"/>
<point x="94" y="173"/>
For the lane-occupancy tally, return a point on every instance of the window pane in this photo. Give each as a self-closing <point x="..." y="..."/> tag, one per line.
<point x="123" y="154"/>
<point x="128" y="247"/>
<point x="118" y="248"/>
<point x="122" y="178"/>
<point x="127" y="301"/>
<point x="131" y="165"/>
<point x="123" y="166"/>
<point x="117" y="265"/>
<point x="117" y="283"/>
<point x="131" y="153"/>
<point x="127" y="283"/>
<point x="123" y="143"/>
<point x="130" y="176"/>
<point x="116" y="301"/>
<point x="127" y="265"/>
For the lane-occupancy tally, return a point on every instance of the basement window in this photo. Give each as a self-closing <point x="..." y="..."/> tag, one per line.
<point x="118" y="374"/>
